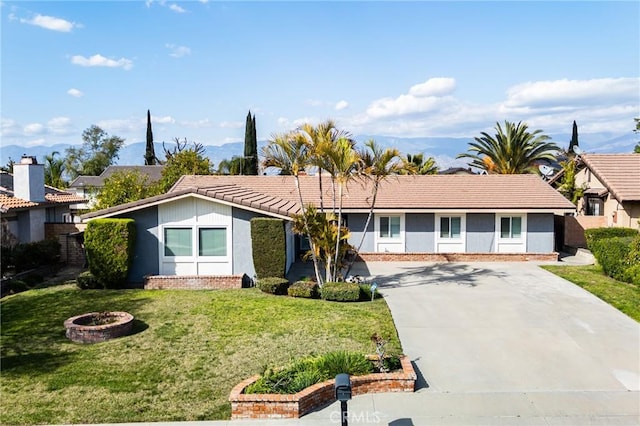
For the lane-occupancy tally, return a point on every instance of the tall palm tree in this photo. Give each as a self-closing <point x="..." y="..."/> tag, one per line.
<point x="54" y="168"/>
<point x="344" y="162"/>
<point x="513" y="150"/>
<point x="291" y="154"/>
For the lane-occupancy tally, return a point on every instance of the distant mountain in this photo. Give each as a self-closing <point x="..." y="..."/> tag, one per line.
<point x="444" y="149"/>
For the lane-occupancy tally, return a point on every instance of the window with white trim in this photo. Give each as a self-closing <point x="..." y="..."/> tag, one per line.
<point x="389" y="227"/>
<point x="511" y="227"/>
<point x="178" y="242"/>
<point x="211" y="241"/>
<point x="450" y="227"/>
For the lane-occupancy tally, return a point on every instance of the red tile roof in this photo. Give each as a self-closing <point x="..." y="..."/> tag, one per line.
<point x="278" y="194"/>
<point x="52" y="195"/>
<point x="619" y="173"/>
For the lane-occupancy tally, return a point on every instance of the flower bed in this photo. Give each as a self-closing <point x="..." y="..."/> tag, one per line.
<point x="273" y="406"/>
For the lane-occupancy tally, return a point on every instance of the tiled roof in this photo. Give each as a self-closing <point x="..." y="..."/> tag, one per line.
<point x="52" y="195"/>
<point x="154" y="174"/>
<point x="619" y="173"/>
<point x="278" y="194"/>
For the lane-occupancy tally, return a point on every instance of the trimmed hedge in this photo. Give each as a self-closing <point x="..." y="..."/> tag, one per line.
<point x="109" y="246"/>
<point x="341" y="291"/>
<point x="365" y="292"/>
<point x="596" y="234"/>
<point x="307" y="289"/>
<point x="87" y="281"/>
<point x="268" y="246"/>
<point x="612" y="254"/>
<point x="273" y="285"/>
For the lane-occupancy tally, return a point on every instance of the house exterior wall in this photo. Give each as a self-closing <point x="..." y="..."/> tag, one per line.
<point x="419" y="232"/>
<point x="242" y="248"/>
<point x="145" y="254"/>
<point x="540" y="238"/>
<point x="31" y="225"/>
<point x="356" y="223"/>
<point x="481" y="232"/>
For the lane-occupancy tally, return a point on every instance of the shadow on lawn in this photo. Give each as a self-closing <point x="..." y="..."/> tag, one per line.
<point x="33" y="333"/>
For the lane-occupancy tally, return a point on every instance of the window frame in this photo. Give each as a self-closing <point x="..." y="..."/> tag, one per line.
<point x="195" y="243"/>
<point x="390" y="236"/>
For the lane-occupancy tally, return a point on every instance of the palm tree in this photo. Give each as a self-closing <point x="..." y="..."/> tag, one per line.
<point x="344" y="162"/>
<point x="291" y="155"/>
<point x="231" y="167"/>
<point x="416" y="164"/>
<point x="513" y="150"/>
<point x="53" y="170"/>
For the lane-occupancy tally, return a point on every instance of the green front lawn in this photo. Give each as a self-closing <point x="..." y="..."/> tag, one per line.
<point x="189" y="348"/>
<point x="623" y="296"/>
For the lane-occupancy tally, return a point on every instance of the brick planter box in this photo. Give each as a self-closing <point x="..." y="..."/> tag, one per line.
<point x="193" y="282"/>
<point x="278" y="406"/>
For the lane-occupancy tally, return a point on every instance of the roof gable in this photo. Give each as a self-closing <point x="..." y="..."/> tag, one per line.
<point x="619" y="173"/>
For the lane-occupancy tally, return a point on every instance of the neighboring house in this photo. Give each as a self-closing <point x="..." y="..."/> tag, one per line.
<point x="26" y="203"/>
<point x="88" y="187"/>
<point x="612" y="188"/>
<point x="457" y="171"/>
<point x="202" y="225"/>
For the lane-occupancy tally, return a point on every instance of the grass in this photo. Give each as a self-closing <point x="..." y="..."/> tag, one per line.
<point x="188" y="349"/>
<point x="623" y="296"/>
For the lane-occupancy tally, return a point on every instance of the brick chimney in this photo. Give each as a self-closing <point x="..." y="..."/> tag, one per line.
<point x="28" y="180"/>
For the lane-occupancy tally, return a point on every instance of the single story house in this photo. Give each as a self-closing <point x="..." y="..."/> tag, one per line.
<point x="612" y="188"/>
<point x="26" y="203"/>
<point x="202" y="225"/>
<point x="88" y="187"/>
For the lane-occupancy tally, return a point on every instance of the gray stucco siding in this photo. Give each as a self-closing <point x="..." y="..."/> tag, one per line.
<point x="540" y="235"/>
<point x="480" y="232"/>
<point x="145" y="257"/>
<point x="241" y="242"/>
<point x="355" y="222"/>
<point x="419" y="232"/>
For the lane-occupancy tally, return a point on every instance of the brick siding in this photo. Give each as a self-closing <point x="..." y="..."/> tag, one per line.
<point x="458" y="257"/>
<point x="193" y="282"/>
<point x="71" y="250"/>
<point x="277" y="406"/>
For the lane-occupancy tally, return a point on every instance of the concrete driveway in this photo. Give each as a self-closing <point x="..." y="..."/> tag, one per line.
<point x="502" y="344"/>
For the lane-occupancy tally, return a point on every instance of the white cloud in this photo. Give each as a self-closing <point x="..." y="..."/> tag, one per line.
<point x="178" y="51"/>
<point x="9" y="128"/>
<point x="341" y="105"/>
<point x="163" y="120"/>
<point x="33" y="129"/>
<point x="101" y="61"/>
<point x="231" y="124"/>
<point x="60" y="126"/>
<point x="51" y="23"/>
<point x="437" y="86"/>
<point x="198" y="124"/>
<point x="75" y="93"/>
<point x="176" y="8"/>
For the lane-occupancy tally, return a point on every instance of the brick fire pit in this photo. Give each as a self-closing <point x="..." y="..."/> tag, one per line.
<point x="97" y="327"/>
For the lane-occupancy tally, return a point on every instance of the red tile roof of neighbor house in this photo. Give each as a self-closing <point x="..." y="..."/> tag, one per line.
<point x="52" y="195"/>
<point x="278" y="194"/>
<point x="619" y="173"/>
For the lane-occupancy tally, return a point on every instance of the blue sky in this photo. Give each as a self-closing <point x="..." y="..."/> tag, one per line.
<point x="405" y="69"/>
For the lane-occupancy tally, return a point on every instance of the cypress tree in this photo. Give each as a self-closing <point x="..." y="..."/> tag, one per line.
<point x="250" y="166"/>
<point x="574" y="138"/>
<point x="150" y="153"/>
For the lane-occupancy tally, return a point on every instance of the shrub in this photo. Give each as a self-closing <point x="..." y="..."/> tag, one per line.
<point x="365" y="292"/>
<point x="612" y="254"/>
<point x="87" y="281"/>
<point x="337" y="362"/>
<point x="341" y="291"/>
<point x="596" y="234"/>
<point x="632" y="273"/>
<point x="27" y="256"/>
<point x="273" y="285"/>
<point x="109" y="246"/>
<point x="308" y="289"/>
<point x="268" y="246"/>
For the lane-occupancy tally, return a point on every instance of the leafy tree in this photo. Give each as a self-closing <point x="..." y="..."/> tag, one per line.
<point x="124" y="187"/>
<point x="250" y="166"/>
<point x="8" y="167"/>
<point x="189" y="161"/>
<point x="150" y="153"/>
<point x="513" y="150"/>
<point x="231" y="167"/>
<point x="416" y="164"/>
<point x="53" y="170"/>
<point x="637" y="130"/>
<point x="97" y="152"/>
<point x="567" y="185"/>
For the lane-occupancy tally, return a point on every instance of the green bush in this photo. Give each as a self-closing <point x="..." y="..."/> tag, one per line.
<point x="25" y="256"/>
<point x="341" y="291"/>
<point x="597" y="234"/>
<point x="87" y="281"/>
<point x="632" y="273"/>
<point x="268" y="246"/>
<point x="305" y="372"/>
<point x="365" y="292"/>
<point x="109" y="246"/>
<point x="273" y="285"/>
<point x="308" y="289"/>
<point x="612" y="254"/>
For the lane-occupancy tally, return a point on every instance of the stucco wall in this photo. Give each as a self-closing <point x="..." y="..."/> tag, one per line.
<point x="356" y="223"/>
<point x="145" y="260"/>
<point x="540" y="235"/>
<point x="481" y="232"/>
<point x="419" y="233"/>
<point x="242" y="250"/>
